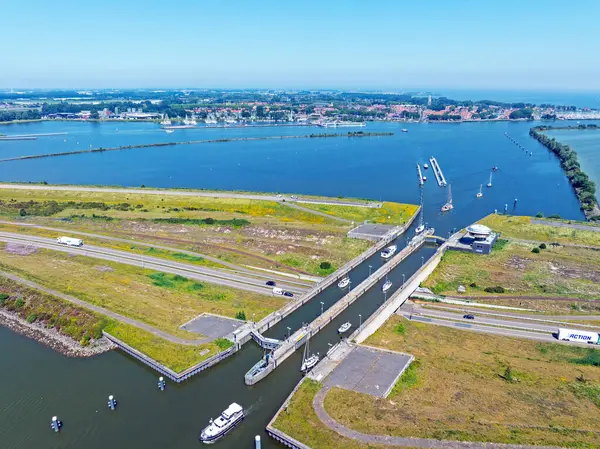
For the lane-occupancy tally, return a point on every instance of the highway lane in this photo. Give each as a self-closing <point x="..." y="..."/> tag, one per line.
<point x="271" y="275"/>
<point x="187" y="270"/>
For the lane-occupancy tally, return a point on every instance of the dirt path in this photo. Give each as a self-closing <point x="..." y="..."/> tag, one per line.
<point x="403" y="441"/>
<point x="103" y="311"/>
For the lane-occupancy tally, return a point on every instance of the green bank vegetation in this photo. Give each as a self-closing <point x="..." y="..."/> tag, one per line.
<point x="388" y="213"/>
<point x="161" y="300"/>
<point x="584" y="187"/>
<point x="258" y="233"/>
<point x="490" y="389"/>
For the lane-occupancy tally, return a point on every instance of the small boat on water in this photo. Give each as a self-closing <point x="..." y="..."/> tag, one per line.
<point x="489" y="184"/>
<point x="386" y="285"/>
<point x="424" y="178"/>
<point x="308" y="360"/>
<point x="480" y="193"/>
<point x="425" y="166"/>
<point x="494" y="168"/>
<point x="344" y="327"/>
<point x="419" y="229"/>
<point x="404" y="130"/>
<point x="230" y="417"/>
<point x="169" y="131"/>
<point x="448" y="206"/>
<point x="389" y="251"/>
<point x="344" y="282"/>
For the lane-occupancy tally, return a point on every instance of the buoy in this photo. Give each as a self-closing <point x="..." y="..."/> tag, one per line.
<point x="516" y="201"/>
<point x="161" y="384"/>
<point x="257" y="442"/>
<point x="112" y="402"/>
<point x="55" y="424"/>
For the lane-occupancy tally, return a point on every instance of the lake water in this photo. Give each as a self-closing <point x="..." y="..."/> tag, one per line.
<point x="587" y="144"/>
<point x="37" y="383"/>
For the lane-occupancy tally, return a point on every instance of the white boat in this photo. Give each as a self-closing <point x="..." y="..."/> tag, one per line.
<point x="223" y="424"/>
<point x="424" y="178"/>
<point x="344" y="282"/>
<point x="419" y="229"/>
<point x="480" y="194"/>
<point x="344" y="327"/>
<point x="404" y="130"/>
<point x="386" y="285"/>
<point x="448" y="206"/>
<point x="389" y="251"/>
<point x="190" y="121"/>
<point x="169" y="131"/>
<point x="308" y="361"/>
<point x="489" y="184"/>
<point x="425" y="166"/>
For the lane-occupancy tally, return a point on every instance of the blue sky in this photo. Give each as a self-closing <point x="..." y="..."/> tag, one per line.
<point x="541" y="45"/>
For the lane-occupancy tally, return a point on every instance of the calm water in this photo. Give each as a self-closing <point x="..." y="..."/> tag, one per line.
<point x="37" y="383"/>
<point x="587" y="144"/>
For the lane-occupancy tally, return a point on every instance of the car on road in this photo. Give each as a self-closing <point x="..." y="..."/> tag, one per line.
<point x="290" y="294"/>
<point x="271" y="283"/>
<point x="468" y="316"/>
<point x="294" y="197"/>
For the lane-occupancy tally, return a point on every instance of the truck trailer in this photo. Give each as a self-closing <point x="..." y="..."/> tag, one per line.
<point x="581" y="336"/>
<point x="69" y="241"/>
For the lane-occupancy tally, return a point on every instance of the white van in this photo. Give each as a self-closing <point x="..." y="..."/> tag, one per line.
<point x="277" y="291"/>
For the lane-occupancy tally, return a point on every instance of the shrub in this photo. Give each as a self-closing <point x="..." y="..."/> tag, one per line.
<point x="473" y="285"/>
<point x="241" y="315"/>
<point x="539" y="215"/>
<point x="554" y="216"/>
<point x="223" y="343"/>
<point x="31" y="317"/>
<point x="400" y="329"/>
<point x="19" y="303"/>
<point x="542" y="246"/>
<point x="535" y="250"/>
<point x="3" y="297"/>
<point x="325" y="265"/>
<point x="209" y="221"/>
<point x="22" y="212"/>
<point x="496" y="289"/>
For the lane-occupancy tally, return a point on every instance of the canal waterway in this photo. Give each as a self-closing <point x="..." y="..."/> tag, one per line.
<point x="37" y="383"/>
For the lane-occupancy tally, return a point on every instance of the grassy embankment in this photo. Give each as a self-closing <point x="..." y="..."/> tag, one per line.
<point x="161" y="300"/>
<point x="302" y="423"/>
<point x="514" y="271"/>
<point x="389" y="213"/>
<point x="82" y="325"/>
<point x="493" y="389"/>
<point x="265" y="234"/>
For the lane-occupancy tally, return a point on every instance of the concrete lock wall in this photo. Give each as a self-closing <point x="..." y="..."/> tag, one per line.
<point x="376" y="320"/>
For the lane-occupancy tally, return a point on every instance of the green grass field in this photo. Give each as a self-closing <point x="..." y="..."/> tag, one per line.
<point x="472" y="387"/>
<point x="389" y="213"/>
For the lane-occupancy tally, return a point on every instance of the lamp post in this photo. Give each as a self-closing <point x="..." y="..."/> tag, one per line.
<point x="289" y="332"/>
<point x="322" y="304"/>
<point x="422" y="260"/>
<point x="370" y="268"/>
<point x="403" y="279"/>
<point x="359" y="320"/>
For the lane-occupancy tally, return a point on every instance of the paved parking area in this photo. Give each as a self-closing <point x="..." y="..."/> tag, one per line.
<point x="370" y="231"/>
<point x="212" y="326"/>
<point x="369" y="370"/>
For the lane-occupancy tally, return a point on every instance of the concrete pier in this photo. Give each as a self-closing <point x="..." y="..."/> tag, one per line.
<point x="437" y="171"/>
<point x="421" y="182"/>
<point x="298" y="338"/>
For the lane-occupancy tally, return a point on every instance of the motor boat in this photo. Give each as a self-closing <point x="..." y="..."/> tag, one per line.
<point x="344" y="327"/>
<point x="404" y="130"/>
<point x="230" y="417"/>
<point x="419" y="229"/>
<point x="344" y="282"/>
<point x="389" y="251"/>
<point x="480" y="193"/>
<point x="386" y="286"/>
<point x="425" y="166"/>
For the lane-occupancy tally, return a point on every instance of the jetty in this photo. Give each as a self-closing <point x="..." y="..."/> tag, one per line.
<point x="437" y="171"/>
<point x="420" y="175"/>
<point x="265" y="366"/>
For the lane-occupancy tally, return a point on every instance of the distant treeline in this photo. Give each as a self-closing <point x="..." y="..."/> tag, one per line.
<point x="584" y="187"/>
<point x="10" y="116"/>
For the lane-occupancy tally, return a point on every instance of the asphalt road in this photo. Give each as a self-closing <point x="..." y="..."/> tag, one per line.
<point x="188" y="270"/>
<point x="287" y="280"/>
<point x="484" y="324"/>
<point x="245" y="196"/>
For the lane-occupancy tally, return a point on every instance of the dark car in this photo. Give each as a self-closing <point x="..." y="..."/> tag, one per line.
<point x="271" y="283"/>
<point x="469" y="317"/>
<point x="290" y="294"/>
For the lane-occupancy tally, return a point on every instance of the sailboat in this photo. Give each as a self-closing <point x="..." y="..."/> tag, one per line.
<point x="386" y="285"/>
<point x="166" y="121"/>
<point x="308" y="360"/>
<point x="480" y="194"/>
<point x="489" y="184"/>
<point x="448" y="206"/>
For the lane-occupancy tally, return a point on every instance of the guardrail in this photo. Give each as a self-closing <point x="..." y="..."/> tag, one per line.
<point x="167" y="372"/>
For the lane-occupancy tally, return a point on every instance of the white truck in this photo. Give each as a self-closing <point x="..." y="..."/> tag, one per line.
<point x="581" y="336"/>
<point x="69" y="241"/>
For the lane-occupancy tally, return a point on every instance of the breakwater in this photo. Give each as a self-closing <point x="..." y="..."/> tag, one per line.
<point x="196" y="142"/>
<point x="584" y="187"/>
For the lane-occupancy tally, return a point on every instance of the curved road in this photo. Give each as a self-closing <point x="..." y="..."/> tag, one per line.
<point x="403" y="441"/>
<point x="196" y="272"/>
